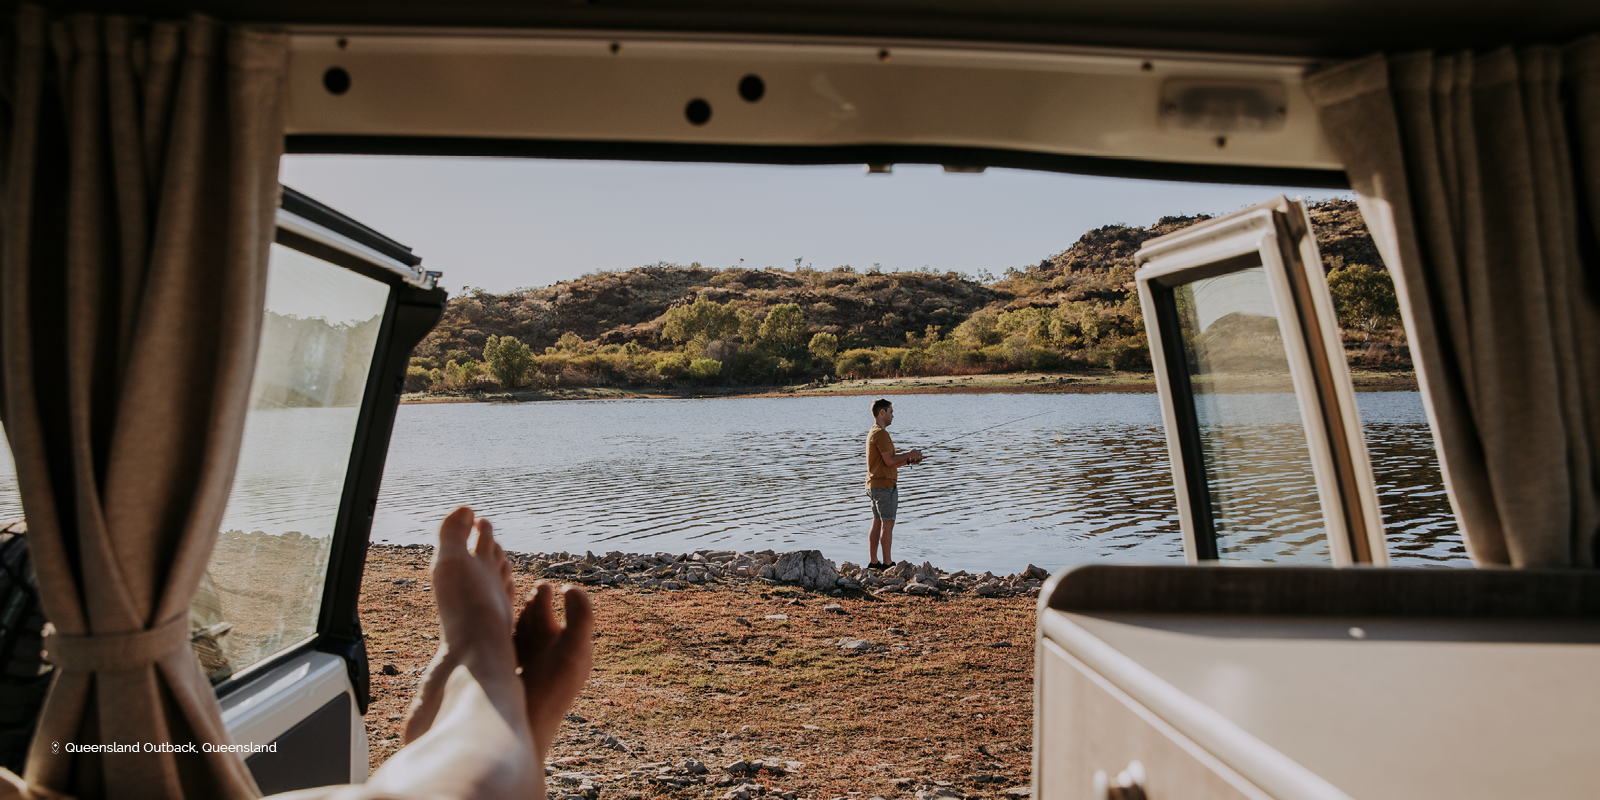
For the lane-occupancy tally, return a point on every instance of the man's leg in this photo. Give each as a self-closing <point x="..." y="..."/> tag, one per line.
<point x="887" y="539"/>
<point x="872" y="540"/>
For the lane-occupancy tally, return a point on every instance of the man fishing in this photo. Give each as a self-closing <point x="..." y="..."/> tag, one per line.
<point x="883" y="464"/>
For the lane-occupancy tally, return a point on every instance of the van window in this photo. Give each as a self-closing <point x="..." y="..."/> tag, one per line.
<point x="1258" y="469"/>
<point x="263" y="589"/>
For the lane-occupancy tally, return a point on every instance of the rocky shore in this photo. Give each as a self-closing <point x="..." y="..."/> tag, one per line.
<point x="807" y="569"/>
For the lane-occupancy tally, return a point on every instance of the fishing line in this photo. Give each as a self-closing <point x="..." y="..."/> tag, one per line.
<point x="991" y="427"/>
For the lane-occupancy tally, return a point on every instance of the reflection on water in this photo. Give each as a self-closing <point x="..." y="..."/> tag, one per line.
<point x="1088" y="481"/>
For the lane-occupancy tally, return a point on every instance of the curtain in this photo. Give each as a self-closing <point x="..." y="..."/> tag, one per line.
<point x="139" y="169"/>
<point x="1480" y="178"/>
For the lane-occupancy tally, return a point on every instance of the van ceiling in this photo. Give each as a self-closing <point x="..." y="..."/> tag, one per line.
<point x="1337" y="28"/>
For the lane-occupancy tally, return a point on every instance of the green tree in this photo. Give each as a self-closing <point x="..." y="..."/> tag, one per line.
<point x="1363" y="297"/>
<point x="570" y="343"/>
<point x="824" y="346"/>
<point x="979" y="329"/>
<point x="784" y="328"/>
<point x="510" y="361"/>
<point x="704" y="319"/>
<point x="705" y="370"/>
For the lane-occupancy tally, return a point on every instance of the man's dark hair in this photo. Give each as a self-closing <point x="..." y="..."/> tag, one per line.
<point x="879" y="405"/>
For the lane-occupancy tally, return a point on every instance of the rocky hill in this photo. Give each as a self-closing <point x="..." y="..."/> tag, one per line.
<point x="1087" y="289"/>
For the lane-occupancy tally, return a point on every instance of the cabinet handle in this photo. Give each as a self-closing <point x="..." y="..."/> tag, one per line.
<point x="1128" y="785"/>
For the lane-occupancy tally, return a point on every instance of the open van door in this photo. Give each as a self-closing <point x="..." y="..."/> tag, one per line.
<point x="1267" y="454"/>
<point x="274" y="622"/>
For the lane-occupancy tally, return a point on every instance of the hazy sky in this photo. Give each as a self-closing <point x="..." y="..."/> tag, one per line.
<point x="501" y="224"/>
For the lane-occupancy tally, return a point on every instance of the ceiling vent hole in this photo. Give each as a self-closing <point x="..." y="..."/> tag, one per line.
<point x="698" y="112"/>
<point x="336" y="80"/>
<point x="752" y="88"/>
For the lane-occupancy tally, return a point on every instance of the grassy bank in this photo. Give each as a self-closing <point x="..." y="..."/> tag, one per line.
<point x="942" y="698"/>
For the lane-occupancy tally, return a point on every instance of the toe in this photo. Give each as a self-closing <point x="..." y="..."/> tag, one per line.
<point x="454" y="531"/>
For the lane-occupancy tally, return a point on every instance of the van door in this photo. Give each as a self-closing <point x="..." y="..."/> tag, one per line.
<point x="1265" y="442"/>
<point x="275" y="622"/>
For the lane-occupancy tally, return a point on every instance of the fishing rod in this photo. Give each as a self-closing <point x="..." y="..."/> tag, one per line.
<point x="981" y="430"/>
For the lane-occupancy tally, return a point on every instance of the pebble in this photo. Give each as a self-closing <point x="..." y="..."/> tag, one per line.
<point x="833" y="608"/>
<point x="778" y="617"/>
<point x="1020" y="791"/>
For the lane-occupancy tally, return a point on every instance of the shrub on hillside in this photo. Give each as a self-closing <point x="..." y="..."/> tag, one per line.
<point x="705" y="370"/>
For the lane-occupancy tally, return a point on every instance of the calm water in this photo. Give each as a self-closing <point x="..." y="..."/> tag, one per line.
<point x="1087" y="480"/>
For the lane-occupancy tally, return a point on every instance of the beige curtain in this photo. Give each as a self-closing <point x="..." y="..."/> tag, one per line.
<point x="140" y="181"/>
<point x="1480" y="178"/>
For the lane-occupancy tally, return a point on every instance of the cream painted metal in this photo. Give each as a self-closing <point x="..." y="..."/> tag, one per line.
<point x="1301" y="708"/>
<point x="272" y="703"/>
<point x="1277" y="236"/>
<point x="613" y="87"/>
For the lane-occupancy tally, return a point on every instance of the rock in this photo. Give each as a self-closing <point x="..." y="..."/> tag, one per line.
<point x="896" y="632"/>
<point x="768" y="572"/>
<point x="919" y="589"/>
<point x="979" y="780"/>
<point x="1001" y="643"/>
<point x="777" y="617"/>
<point x="989" y="589"/>
<point x="1020" y="791"/>
<point x="811" y="727"/>
<point x="390" y="669"/>
<point x="807" y="568"/>
<point x="1034" y="573"/>
<point x="833" y="608"/>
<point x="742" y="621"/>
<point x="739" y="767"/>
<point x="673" y="585"/>
<point x="937" y="793"/>
<point x="695" y="767"/>
<point x="856" y="645"/>
<point x="569" y="778"/>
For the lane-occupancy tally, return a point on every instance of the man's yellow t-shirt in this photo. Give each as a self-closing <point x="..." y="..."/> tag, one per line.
<point x="879" y="474"/>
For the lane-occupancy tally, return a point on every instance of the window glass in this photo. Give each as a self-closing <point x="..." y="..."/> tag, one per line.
<point x="1258" y="469"/>
<point x="263" y="589"/>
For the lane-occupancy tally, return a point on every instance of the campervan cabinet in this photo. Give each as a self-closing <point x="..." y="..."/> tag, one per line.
<point x="1198" y="681"/>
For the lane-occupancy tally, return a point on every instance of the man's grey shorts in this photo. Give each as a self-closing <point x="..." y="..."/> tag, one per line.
<point x="884" y="502"/>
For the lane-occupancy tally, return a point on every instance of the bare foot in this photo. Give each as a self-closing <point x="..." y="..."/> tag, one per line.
<point x="430" y="692"/>
<point x="555" y="658"/>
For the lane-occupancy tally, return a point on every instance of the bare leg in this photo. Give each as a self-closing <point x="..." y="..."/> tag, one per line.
<point x="888" y="539"/>
<point x="555" y="658"/>
<point x="425" y="706"/>
<point x="479" y="740"/>
<point x="872" y="540"/>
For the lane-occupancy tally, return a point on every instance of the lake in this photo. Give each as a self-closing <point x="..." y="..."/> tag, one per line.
<point x="1085" y="480"/>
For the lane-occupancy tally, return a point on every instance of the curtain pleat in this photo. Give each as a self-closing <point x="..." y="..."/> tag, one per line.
<point x="1471" y="171"/>
<point x="140" y="189"/>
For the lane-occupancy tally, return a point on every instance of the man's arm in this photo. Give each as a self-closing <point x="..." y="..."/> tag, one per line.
<point x="901" y="459"/>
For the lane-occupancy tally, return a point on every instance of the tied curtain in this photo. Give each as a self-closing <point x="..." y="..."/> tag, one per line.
<point x="139" y="174"/>
<point x="1479" y="176"/>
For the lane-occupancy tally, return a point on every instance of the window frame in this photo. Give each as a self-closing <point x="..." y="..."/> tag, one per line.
<point x="415" y="304"/>
<point x="1277" y="236"/>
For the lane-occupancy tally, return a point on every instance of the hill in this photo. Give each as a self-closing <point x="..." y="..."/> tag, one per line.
<point x="659" y="324"/>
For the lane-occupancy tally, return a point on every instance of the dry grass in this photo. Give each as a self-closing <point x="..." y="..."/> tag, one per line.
<point x="678" y="677"/>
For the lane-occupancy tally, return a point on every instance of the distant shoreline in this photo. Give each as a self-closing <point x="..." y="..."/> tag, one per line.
<point x="1013" y="383"/>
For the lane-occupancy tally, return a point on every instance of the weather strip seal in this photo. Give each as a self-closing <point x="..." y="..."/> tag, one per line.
<point x="413" y="275"/>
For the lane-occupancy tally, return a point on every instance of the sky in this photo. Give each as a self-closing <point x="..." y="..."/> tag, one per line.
<point x="503" y="224"/>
